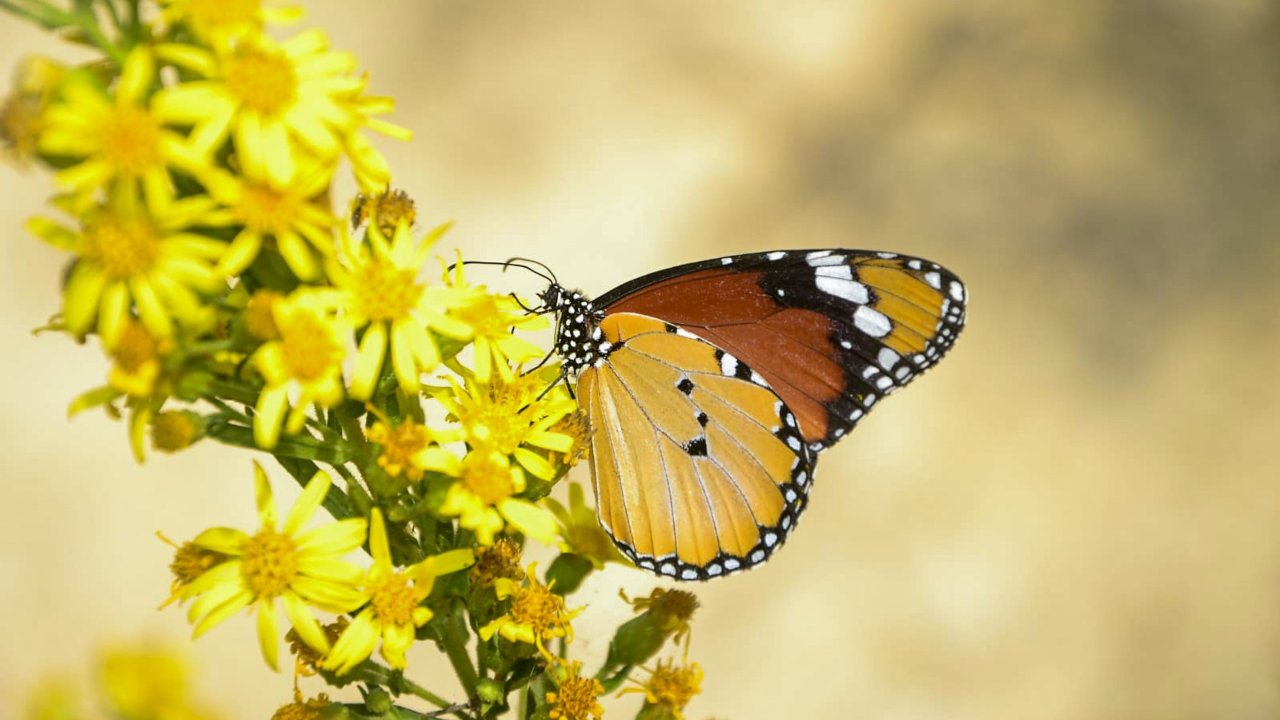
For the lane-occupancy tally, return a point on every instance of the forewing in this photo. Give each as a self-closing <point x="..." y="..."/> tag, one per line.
<point x="830" y="331"/>
<point x="698" y="466"/>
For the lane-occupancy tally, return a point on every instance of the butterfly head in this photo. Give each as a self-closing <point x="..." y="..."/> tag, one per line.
<point x="579" y="341"/>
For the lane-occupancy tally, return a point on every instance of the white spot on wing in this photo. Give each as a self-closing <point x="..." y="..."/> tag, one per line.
<point x="835" y="271"/>
<point x="823" y="257"/>
<point x="726" y="261"/>
<point x="871" y="321"/>
<point x="888" y="358"/>
<point x="776" y="255"/>
<point x="728" y="365"/>
<point x="934" y="279"/>
<point x="957" y="291"/>
<point x="685" y="333"/>
<point x="854" y="292"/>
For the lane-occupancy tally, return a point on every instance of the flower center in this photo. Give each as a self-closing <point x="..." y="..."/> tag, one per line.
<point x="172" y="431"/>
<point x="395" y="599"/>
<point x="537" y="607"/>
<point x="489" y="481"/>
<point x="123" y="249"/>
<point x="269" y="563"/>
<point x="263" y="82"/>
<point x="385" y="292"/>
<point x="399" y="446"/>
<point x="190" y="561"/>
<point x="131" y="140"/>
<point x="576" y="699"/>
<point x="134" y="348"/>
<point x="310" y="352"/>
<point x="267" y="210"/>
<point x="673" y="686"/>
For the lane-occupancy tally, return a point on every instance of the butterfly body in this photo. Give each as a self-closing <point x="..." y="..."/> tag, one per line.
<point x="712" y="387"/>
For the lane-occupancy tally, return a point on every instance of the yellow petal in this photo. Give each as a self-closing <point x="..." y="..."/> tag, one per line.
<point x="305" y="623"/>
<point x="269" y="633"/>
<point x="530" y="519"/>
<point x="263" y="498"/>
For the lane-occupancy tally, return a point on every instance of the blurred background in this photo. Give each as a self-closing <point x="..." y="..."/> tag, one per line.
<point x="1076" y="516"/>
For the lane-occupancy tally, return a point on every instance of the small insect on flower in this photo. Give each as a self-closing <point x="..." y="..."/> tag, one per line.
<point x="395" y="610"/>
<point x="298" y="567"/>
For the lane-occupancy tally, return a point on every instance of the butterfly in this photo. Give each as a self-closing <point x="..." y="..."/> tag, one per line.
<point x="712" y="387"/>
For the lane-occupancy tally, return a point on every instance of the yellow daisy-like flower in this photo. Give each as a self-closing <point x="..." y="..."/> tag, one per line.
<point x="577" y="697"/>
<point x="580" y="531"/>
<point x="221" y="22"/>
<point x="408" y="448"/>
<point x="379" y="280"/>
<point x="513" y="416"/>
<point x="482" y="499"/>
<point x="116" y="138"/>
<point x="670" y="687"/>
<point x="300" y="568"/>
<point x="138" y="357"/>
<point x="536" y="613"/>
<point x="395" y="607"/>
<point x="190" y="561"/>
<point x="303" y="367"/>
<point x="493" y="320"/>
<point x="134" y="260"/>
<point x="294" y="217"/>
<point x="271" y="99"/>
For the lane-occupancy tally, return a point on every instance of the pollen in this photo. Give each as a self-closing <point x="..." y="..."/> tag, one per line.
<point x="269" y="211"/>
<point x="134" y="348"/>
<point x="310" y="351"/>
<point x="123" y="249"/>
<point x="384" y="292"/>
<point x="130" y="139"/>
<point x="270" y="563"/>
<point x="394" y="600"/>
<point x="538" y="608"/>
<point x="191" y="561"/>
<point x="262" y="81"/>
<point x="489" y="481"/>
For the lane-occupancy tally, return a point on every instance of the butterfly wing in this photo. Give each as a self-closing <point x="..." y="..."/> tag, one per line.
<point x="830" y="331"/>
<point x="698" y="466"/>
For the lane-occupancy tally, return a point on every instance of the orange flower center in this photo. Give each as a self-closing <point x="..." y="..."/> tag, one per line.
<point x="539" y="608"/>
<point x="124" y="249"/>
<point x="269" y="563"/>
<point x="489" y="481"/>
<point x="134" y="348"/>
<point x="262" y="81"/>
<point x="394" y="600"/>
<point x="267" y="210"/>
<point x="384" y="292"/>
<point x="191" y="561"/>
<point x="399" y="446"/>
<point x="130" y="140"/>
<point x="310" y="351"/>
<point x="576" y="699"/>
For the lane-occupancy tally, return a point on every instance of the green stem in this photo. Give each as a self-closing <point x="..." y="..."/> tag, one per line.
<point x="454" y="640"/>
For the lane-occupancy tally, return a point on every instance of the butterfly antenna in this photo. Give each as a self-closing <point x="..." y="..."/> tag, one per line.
<point x="547" y="275"/>
<point x="561" y="378"/>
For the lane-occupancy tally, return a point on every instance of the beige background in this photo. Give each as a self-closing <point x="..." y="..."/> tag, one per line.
<point x="1074" y="517"/>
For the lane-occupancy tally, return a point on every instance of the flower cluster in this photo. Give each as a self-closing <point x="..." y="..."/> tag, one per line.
<point x="195" y="161"/>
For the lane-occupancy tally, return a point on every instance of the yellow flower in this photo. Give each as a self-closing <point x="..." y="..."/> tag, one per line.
<point x="221" y="22"/>
<point x="379" y="280"/>
<point x="577" y="697"/>
<point x="303" y="367"/>
<point x="395" y="607"/>
<point x="134" y="260"/>
<point x="137" y="358"/>
<point x="190" y="561"/>
<point x="387" y="208"/>
<point x="493" y="320"/>
<point x="407" y="448"/>
<point x="175" y="430"/>
<point x="536" y="613"/>
<point x="499" y="560"/>
<point x="22" y="113"/>
<point x="272" y="99"/>
<point x="147" y="682"/>
<point x="294" y="217"/>
<point x="300" y="568"/>
<point x="482" y="499"/>
<point x="513" y="416"/>
<point x="118" y="138"/>
<point x="670" y="688"/>
<point x="580" y="531"/>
